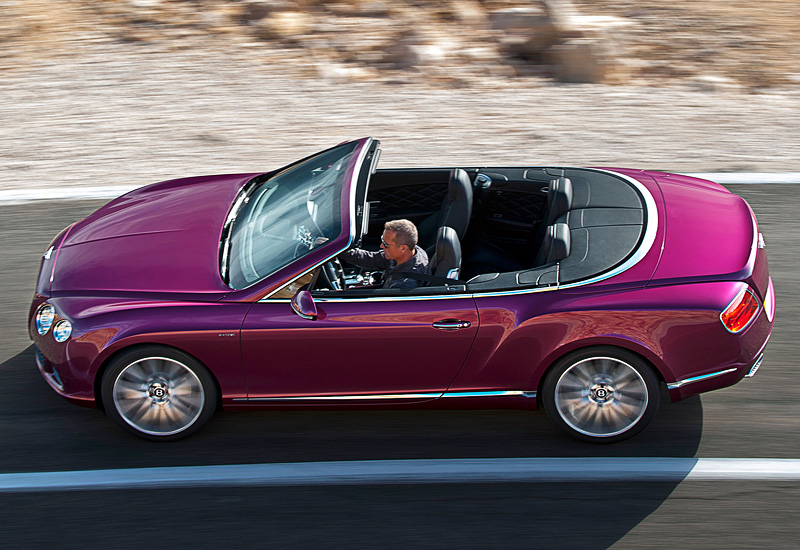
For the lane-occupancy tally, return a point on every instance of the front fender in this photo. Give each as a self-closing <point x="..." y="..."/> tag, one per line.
<point x="102" y="327"/>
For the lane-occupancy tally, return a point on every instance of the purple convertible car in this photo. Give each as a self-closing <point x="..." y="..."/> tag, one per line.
<point x="583" y="291"/>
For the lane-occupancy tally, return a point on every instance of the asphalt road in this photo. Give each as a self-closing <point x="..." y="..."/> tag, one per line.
<point x="758" y="418"/>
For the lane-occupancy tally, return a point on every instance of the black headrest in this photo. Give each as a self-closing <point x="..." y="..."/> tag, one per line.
<point x="447" y="258"/>
<point x="558" y="238"/>
<point x="559" y="198"/>
<point x="459" y="187"/>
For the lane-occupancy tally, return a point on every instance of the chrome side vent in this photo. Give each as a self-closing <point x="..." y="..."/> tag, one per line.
<point x="755" y="367"/>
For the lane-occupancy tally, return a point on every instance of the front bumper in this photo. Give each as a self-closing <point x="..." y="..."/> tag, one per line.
<point x="64" y="365"/>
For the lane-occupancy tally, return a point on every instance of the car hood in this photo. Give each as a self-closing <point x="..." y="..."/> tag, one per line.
<point x="711" y="234"/>
<point x="162" y="238"/>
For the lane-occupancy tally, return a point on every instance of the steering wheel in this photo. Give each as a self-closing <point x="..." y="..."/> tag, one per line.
<point x="334" y="274"/>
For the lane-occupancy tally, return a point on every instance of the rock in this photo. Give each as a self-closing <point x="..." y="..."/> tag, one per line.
<point x="415" y="49"/>
<point x="283" y="25"/>
<point x="518" y="20"/>
<point x="469" y="12"/>
<point x="579" y="61"/>
<point x="144" y="3"/>
<point x="576" y="48"/>
<point x="712" y="83"/>
<point x="338" y="73"/>
<point x="359" y="8"/>
<point x="255" y="10"/>
<point x="525" y="32"/>
<point x="405" y="55"/>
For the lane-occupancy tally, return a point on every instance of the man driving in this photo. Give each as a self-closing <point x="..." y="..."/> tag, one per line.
<point x="399" y="254"/>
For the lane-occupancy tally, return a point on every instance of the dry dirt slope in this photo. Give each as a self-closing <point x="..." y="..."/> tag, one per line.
<point x="754" y="44"/>
<point x="128" y="92"/>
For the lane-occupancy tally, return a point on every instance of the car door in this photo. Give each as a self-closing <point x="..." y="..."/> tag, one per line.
<point x="389" y="348"/>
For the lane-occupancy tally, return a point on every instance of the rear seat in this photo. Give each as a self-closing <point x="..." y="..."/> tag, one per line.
<point x="559" y="200"/>
<point x="590" y="230"/>
<point x="599" y="217"/>
<point x="559" y="203"/>
<point x="555" y="245"/>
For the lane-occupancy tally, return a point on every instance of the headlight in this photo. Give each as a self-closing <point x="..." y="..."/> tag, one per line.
<point x="62" y="330"/>
<point x="44" y="318"/>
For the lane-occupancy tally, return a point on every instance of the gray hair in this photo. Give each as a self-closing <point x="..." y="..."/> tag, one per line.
<point x="406" y="232"/>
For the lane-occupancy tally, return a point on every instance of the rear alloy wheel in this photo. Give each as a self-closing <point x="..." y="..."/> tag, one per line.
<point x="160" y="394"/>
<point x="601" y="395"/>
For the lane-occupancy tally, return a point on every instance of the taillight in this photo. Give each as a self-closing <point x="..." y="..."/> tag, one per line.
<point x="741" y="311"/>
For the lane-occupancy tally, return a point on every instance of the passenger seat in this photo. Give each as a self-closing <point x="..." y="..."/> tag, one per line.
<point x="446" y="260"/>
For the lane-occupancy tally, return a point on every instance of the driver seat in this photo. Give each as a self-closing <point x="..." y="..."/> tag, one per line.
<point x="454" y="212"/>
<point x="446" y="261"/>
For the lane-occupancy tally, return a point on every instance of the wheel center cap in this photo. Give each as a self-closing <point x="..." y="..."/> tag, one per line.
<point x="601" y="393"/>
<point x="158" y="392"/>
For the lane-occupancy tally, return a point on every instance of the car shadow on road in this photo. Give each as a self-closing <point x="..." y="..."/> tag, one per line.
<point x="42" y="432"/>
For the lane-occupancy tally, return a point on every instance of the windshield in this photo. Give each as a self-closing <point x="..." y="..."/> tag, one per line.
<point x="285" y="217"/>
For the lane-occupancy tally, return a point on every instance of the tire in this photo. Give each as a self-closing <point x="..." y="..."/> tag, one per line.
<point x="601" y="395"/>
<point x="158" y="393"/>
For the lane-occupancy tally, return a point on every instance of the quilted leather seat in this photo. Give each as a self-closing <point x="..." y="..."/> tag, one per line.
<point x="454" y="212"/>
<point x="446" y="261"/>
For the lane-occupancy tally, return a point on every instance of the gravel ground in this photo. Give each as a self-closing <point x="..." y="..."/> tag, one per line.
<point x="128" y="114"/>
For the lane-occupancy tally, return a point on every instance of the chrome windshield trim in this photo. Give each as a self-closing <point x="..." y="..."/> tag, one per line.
<point x="356" y="172"/>
<point x="392" y="396"/>
<point x="353" y="185"/>
<point x="680" y="383"/>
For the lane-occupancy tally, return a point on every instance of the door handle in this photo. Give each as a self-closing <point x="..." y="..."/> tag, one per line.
<point x="451" y="324"/>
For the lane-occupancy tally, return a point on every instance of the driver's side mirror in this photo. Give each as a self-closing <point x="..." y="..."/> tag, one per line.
<point x="304" y="306"/>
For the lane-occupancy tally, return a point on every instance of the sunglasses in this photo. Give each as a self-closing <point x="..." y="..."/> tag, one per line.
<point x="387" y="245"/>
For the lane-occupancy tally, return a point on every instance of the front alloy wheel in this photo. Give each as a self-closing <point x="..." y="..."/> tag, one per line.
<point x="601" y="395"/>
<point x="159" y="394"/>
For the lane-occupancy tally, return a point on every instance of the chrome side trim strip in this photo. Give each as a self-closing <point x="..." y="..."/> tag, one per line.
<point x="389" y="298"/>
<point x="391" y="396"/>
<point x="358" y="397"/>
<point x="510" y="393"/>
<point x="679" y="383"/>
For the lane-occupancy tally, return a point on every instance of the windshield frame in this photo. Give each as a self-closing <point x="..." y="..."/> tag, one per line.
<point x="353" y="187"/>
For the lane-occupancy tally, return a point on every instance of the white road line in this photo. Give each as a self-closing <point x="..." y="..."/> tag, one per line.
<point x="378" y="472"/>
<point x="22" y="196"/>
<point x="749" y="177"/>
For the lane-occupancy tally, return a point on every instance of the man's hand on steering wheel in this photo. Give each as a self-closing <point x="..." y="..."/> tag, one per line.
<point x="333" y="272"/>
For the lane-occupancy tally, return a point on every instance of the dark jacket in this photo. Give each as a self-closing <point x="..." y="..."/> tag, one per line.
<point x="376" y="260"/>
